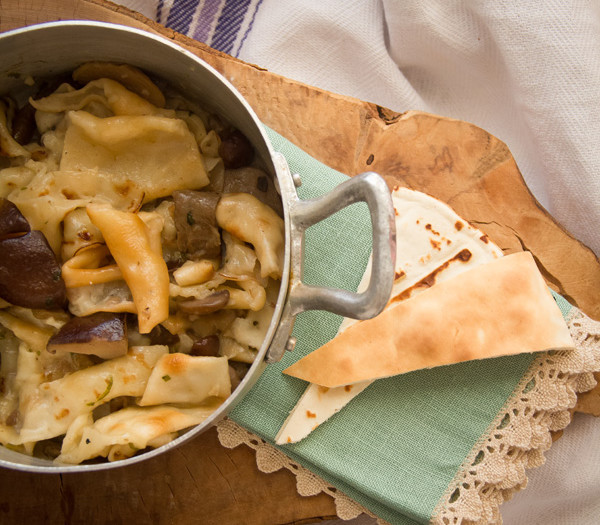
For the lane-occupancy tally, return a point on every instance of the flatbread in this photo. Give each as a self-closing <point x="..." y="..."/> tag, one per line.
<point x="500" y="308"/>
<point x="433" y="244"/>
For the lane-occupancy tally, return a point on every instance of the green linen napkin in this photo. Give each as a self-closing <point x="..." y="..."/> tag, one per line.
<point x="396" y="447"/>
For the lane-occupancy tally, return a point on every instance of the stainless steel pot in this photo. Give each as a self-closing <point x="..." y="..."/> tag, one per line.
<point x="56" y="47"/>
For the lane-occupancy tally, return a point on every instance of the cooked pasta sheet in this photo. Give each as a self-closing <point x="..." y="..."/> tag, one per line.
<point x="141" y="253"/>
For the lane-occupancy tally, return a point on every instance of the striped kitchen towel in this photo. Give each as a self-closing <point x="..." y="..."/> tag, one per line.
<point x="221" y="24"/>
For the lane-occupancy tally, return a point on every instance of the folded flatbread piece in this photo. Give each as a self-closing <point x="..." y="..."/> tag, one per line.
<point x="500" y="308"/>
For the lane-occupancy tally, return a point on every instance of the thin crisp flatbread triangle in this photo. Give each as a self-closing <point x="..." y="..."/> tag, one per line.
<point x="316" y="405"/>
<point x="500" y="308"/>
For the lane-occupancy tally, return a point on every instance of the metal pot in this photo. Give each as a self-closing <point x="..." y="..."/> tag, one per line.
<point x="56" y="47"/>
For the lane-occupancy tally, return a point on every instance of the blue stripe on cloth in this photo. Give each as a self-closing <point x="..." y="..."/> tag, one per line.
<point x="207" y="19"/>
<point x="250" y="24"/>
<point x="181" y="14"/>
<point x="229" y="24"/>
<point x="159" y="7"/>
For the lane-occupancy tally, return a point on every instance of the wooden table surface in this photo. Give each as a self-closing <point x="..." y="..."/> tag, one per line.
<point x="457" y="162"/>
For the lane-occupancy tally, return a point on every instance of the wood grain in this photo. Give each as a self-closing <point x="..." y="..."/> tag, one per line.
<point x="199" y="483"/>
<point x="457" y="162"/>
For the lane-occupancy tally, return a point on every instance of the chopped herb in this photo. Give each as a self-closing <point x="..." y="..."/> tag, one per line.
<point x="190" y="218"/>
<point x="56" y="276"/>
<point x="166" y="377"/>
<point x="49" y="301"/>
<point x="109" y="384"/>
<point x="87" y="441"/>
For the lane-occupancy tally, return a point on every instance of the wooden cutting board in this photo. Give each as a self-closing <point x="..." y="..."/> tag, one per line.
<point x="457" y="162"/>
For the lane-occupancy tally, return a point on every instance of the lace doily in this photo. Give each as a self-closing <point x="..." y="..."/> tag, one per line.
<point x="496" y="468"/>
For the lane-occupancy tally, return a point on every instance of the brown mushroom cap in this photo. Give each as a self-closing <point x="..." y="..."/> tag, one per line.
<point x="23" y="124"/>
<point x="102" y="334"/>
<point x="206" y="346"/>
<point x="196" y="223"/>
<point x="30" y="275"/>
<point x="12" y="221"/>
<point x="235" y="149"/>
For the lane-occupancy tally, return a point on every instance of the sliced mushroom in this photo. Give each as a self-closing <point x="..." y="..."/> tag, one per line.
<point x="206" y="346"/>
<point x="196" y="224"/>
<point x="131" y="77"/>
<point x="206" y="305"/>
<point x="102" y="334"/>
<point x="12" y="221"/>
<point x="30" y="273"/>
<point x="235" y="149"/>
<point x="23" y="124"/>
<point x="159" y="335"/>
<point x="256" y="182"/>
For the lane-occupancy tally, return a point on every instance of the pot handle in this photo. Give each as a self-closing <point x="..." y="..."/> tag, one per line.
<point x="368" y="187"/>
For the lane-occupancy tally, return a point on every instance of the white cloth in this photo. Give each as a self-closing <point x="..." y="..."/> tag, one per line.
<point x="530" y="76"/>
<point x="529" y="73"/>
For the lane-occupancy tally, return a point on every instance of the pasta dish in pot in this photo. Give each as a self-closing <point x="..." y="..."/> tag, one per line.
<point x="141" y="253"/>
